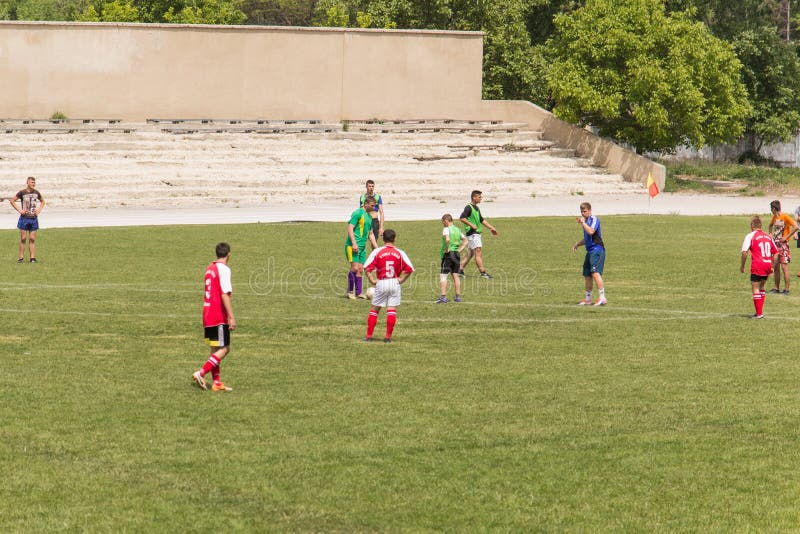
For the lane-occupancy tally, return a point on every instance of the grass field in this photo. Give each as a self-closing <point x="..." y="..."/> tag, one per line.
<point x="514" y="411"/>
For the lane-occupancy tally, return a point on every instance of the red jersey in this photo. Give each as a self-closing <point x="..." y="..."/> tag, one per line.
<point x="389" y="262"/>
<point x="761" y="248"/>
<point x="217" y="282"/>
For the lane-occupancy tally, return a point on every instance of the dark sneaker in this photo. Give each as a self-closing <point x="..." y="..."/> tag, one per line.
<point x="785" y="292"/>
<point x="21" y="260"/>
<point x="757" y="316"/>
<point x="774" y="291"/>
<point x="367" y="339"/>
<point x="387" y="340"/>
<point x="486" y="275"/>
<point x="33" y="260"/>
<point x="457" y="299"/>
<point x="441" y="300"/>
<point x="462" y="275"/>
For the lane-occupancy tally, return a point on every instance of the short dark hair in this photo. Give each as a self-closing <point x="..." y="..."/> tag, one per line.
<point x="223" y="249"/>
<point x="369" y="199"/>
<point x="389" y="236"/>
<point x="586" y="206"/>
<point x="447" y="217"/>
<point x="475" y="193"/>
<point x="775" y="204"/>
<point x="755" y="222"/>
<point x="370" y="182"/>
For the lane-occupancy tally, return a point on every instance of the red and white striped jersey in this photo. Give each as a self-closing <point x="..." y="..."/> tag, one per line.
<point x="389" y="261"/>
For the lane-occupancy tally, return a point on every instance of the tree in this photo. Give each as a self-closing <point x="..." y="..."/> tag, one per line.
<point x="641" y="76"/>
<point x="772" y="75"/>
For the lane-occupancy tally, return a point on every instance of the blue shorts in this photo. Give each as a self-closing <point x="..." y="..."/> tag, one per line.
<point x="594" y="262"/>
<point x="29" y="224"/>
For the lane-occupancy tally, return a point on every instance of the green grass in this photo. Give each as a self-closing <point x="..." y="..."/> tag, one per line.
<point x="758" y="179"/>
<point x="514" y="411"/>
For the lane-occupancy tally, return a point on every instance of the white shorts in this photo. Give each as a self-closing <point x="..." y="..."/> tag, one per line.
<point x="387" y="293"/>
<point x="474" y="241"/>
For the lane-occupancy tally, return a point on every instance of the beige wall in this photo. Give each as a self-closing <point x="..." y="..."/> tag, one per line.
<point x="603" y="153"/>
<point x="138" y="71"/>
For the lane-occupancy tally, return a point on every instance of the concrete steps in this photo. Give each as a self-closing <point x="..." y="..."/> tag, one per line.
<point x="148" y="167"/>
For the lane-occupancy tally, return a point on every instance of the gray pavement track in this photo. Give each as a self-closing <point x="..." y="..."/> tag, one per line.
<point x="338" y="211"/>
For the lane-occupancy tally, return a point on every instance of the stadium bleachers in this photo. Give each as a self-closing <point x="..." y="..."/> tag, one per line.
<point x="233" y="162"/>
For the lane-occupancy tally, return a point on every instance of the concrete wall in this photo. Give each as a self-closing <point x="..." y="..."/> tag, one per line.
<point x="138" y="71"/>
<point x="604" y="153"/>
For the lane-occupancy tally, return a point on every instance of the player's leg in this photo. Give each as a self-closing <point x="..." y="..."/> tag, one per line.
<point x="372" y="320"/>
<point x="777" y="270"/>
<point x="32" y="246"/>
<point x="758" y="294"/>
<point x="785" y="268"/>
<point x="359" y="266"/>
<point x="588" y="282"/>
<point x="442" y="288"/>
<point x="457" y="287"/>
<point x="23" y="237"/>
<point x="391" y="320"/>
<point x="479" y="262"/>
<point x="392" y="302"/>
<point x="218" y="338"/>
<point x="466" y="259"/>
<point x="597" y="260"/>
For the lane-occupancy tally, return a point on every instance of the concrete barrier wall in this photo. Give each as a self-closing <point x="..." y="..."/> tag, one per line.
<point x="604" y="153"/>
<point x="138" y="71"/>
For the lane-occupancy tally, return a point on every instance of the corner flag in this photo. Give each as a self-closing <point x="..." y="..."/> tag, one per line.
<point x="652" y="186"/>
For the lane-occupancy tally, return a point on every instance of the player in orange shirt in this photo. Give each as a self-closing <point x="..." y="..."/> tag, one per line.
<point x="782" y="227"/>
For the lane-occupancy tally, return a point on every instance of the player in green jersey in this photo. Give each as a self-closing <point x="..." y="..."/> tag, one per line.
<point x="453" y="242"/>
<point x="359" y="230"/>
<point x="473" y="224"/>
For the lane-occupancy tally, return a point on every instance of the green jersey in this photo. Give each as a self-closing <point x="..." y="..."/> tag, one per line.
<point x="362" y="226"/>
<point x="473" y="214"/>
<point x="455" y="234"/>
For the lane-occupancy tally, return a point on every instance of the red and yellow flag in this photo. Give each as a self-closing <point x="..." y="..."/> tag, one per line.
<point x="652" y="186"/>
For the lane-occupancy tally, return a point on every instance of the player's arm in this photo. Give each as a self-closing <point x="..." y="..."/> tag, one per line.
<point x="350" y="228"/>
<point x="794" y="230"/>
<point x="380" y="217"/>
<point x="41" y="206"/>
<point x="578" y="244"/>
<point x="13" y="202"/>
<point x="464" y="242"/>
<point x="745" y="253"/>
<point x="226" y="303"/>
<point x="373" y="240"/>
<point x="489" y="226"/>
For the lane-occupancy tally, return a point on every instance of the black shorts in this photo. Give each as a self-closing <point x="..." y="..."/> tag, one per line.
<point x="376" y="229"/>
<point x="218" y="336"/>
<point x="758" y="278"/>
<point x="451" y="262"/>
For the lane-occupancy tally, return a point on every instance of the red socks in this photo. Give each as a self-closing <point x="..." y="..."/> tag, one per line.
<point x="372" y="320"/>
<point x="391" y="319"/>
<point x="758" y="302"/>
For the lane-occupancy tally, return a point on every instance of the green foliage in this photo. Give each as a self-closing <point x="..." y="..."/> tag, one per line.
<point x="759" y="179"/>
<point x="207" y="12"/>
<point x="772" y="75"/>
<point x="279" y="12"/>
<point x="58" y="116"/>
<point x="641" y="76"/>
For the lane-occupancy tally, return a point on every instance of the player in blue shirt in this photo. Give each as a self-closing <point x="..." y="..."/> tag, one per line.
<point x="595" y="255"/>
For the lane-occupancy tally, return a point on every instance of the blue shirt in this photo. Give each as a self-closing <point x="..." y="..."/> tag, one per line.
<point x="593" y="241"/>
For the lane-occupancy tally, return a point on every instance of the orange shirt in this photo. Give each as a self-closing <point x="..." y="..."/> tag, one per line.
<point x="782" y="225"/>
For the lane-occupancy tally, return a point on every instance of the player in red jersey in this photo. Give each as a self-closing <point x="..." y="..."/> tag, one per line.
<point x="764" y="253"/>
<point x="393" y="268"/>
<point x="218" y="320"/>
